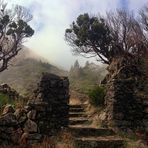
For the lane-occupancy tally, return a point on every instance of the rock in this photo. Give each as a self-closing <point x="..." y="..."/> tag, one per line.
<point x="65" y="83"/>
<point x="123" y="107"/>
<point x="141" y="143"/>
<point x="102" y="116"/>
<point x="7" y="130"/>
<point x="9" y="120"/>
<point x="146" y="110"/>
<point x="20" y="115"/>
<point x="35" y="136"/>
<point x="15" y="135"/>
<point x="27" y="108"/>
<point x="32" y="114"/>
<point x="50" y="101"/>
<point x="23" y="140"/>
<point x="8" y="109"/>
<point x="22" y="119"/>
<point x="30" y="126"/>
<point x="27" y="138"/>
<point x="6" y="89"/>
<point x="45" y="114"/>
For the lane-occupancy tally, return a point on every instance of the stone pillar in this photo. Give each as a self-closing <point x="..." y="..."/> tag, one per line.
<point x="51" y="101"/>
<point x="123" y="107"/>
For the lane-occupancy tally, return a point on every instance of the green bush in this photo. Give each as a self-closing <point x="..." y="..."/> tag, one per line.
<point x="4" y="99"/>
<point x="97" y="95"/>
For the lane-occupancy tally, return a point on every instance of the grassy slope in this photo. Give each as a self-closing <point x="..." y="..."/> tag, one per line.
<point x="88" y="78"/>
<point x="24" y="75"/>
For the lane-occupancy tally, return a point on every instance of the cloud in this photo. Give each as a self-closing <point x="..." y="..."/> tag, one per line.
<point x="52" y="17"/>
<point x="57" y="16"/>
<point x="136" y="5"/>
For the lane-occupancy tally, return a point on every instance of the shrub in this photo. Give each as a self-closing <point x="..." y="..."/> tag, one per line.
<point x="97" y="95"/>
<point x="4" y="99"/>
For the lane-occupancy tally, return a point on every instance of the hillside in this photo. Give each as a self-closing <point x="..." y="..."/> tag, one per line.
<point x="25" y="71"/>
<point x="85" y="78"/>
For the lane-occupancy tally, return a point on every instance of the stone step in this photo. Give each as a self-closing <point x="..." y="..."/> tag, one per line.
<point x="78" y="121"/>
<point x="77" y="114"/>
<point x="76" y="109"/>
<point x="146" y="116"/>
<point x="145" y="103"/>
<point x="75" y="106"/>
<point x="90" y="131"/>
<point x="146" y="110"/>
<point x="99" y="142"/>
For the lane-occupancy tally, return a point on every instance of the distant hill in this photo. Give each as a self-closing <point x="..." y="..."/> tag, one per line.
<point x="85" y="78"/>
<point x="26" y="70"/>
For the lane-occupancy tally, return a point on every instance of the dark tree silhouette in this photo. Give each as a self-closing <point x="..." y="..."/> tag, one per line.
<point x="118" y="34"/>
<point x="14" y="29"/>
<point x="89" y="35"/>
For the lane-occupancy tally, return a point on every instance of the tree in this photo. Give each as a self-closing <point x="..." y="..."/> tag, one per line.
<point x="144" y="17"/>
<point x="87" y="64"/>
<point x="89" y="35"/>
<point x="118" y="34"/>
<point x="76" y="65"/>
<point x="128" y="37"/>
<point x="14" y="29"/>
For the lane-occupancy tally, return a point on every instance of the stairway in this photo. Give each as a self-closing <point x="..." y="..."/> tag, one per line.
<point x="89" y="137"/>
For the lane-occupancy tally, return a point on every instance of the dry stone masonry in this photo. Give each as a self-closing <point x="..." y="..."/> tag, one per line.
<point x="50" y="102"/>
<point x="124" y="109"/>
<point x="45" y="113"/>
<point x="6" y="89"/>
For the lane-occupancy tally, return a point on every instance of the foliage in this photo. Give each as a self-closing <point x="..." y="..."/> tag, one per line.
<point x="97" y="96"/>
<point x="83" y="79"/>
<point x="116" y="34"/>
<point x="14" y="28"/>
<point x="86" y="32"/>
<point x="4" y="99"/>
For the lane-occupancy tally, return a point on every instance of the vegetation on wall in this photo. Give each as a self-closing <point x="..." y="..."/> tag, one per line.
<point x="96" y="96"/>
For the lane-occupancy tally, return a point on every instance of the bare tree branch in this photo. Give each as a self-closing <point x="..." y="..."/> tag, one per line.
<point x="13" y="30"/>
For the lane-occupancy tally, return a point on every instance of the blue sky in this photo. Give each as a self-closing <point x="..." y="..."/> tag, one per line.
<point x="52" y="17"/>
<point x="123" y="4"/>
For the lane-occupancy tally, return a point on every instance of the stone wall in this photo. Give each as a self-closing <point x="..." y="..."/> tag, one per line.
<point x="51" y="101"/>
<point x="45" y="113"/>
<point x="6" y="89"/>
<point x="123" y="108"/>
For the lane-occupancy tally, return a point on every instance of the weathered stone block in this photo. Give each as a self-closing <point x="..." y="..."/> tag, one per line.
<point x="8" y="120"/>
<point x="30" y="126"/>
<point x="8" y="109"/>
<point x="32" y="114"/>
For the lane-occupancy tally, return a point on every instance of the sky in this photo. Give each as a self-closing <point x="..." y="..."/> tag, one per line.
<point x="52" y="17"/>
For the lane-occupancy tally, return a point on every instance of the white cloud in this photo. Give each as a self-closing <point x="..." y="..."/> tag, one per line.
<point x="58" y="14"/>
<point x="52" y="17"/>
<point x="137" y="4"/>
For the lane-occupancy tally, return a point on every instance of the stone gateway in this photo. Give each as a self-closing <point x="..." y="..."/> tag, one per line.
<point x="45" y="113"/>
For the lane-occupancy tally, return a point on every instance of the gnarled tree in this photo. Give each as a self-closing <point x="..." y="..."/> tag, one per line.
<point x="116" y="35"/>
<point x="14" y="29"/>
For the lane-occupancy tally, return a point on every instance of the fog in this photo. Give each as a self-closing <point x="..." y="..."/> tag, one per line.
<point x="52" y="17"/>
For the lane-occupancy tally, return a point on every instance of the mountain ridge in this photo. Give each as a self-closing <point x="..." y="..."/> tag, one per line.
<point x="25" y="71"/>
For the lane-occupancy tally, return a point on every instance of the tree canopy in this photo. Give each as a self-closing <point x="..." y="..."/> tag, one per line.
<point x="14" y="28"/>
<point x="107" y="37"/>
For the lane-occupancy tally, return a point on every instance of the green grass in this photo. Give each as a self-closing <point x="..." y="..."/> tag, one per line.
<point x="4" y="99"/>
<point x="96" y="96"/>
